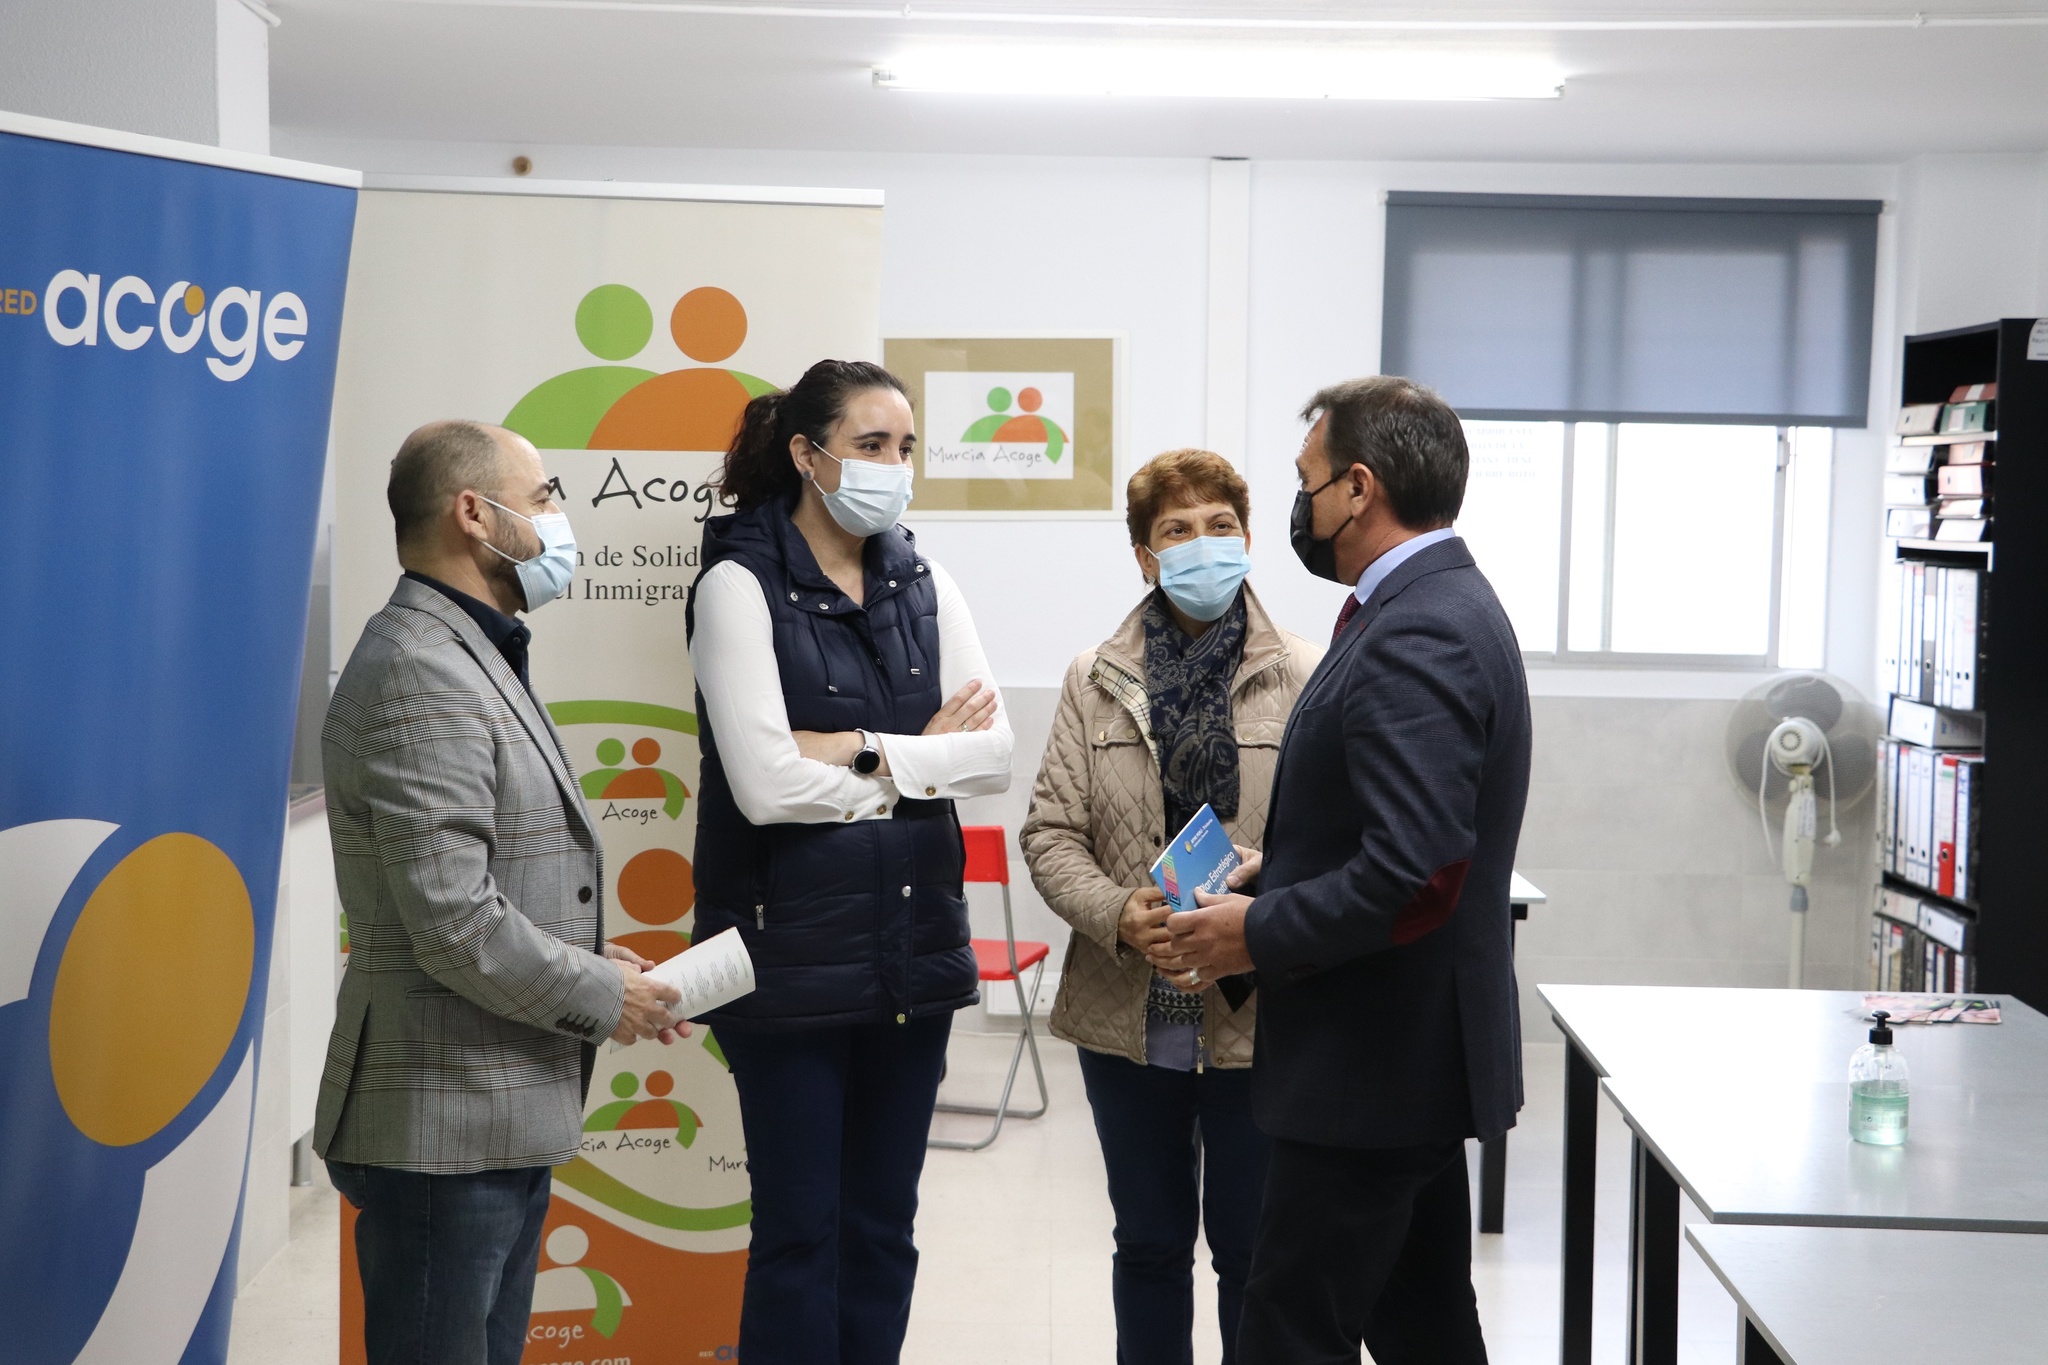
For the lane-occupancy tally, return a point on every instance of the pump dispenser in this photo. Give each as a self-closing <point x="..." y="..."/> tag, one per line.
<point x="1877" y="1088"/>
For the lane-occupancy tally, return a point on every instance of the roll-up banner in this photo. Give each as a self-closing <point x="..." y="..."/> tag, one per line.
<point x="622" y="329"/>
<point x="169" y="321"/>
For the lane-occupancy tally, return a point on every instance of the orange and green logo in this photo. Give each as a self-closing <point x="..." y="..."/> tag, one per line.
<point x="1026" y="427"/>
<point x="568" y="1286"/>
<point x="642" y="782"/>
<point x="627" y="1112"/>
<point x="616" y="406"/>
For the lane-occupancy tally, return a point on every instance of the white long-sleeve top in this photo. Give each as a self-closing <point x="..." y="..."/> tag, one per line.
<point x="733" y="654"/>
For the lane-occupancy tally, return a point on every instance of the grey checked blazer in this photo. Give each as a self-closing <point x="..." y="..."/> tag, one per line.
<point x="474" y="887"/>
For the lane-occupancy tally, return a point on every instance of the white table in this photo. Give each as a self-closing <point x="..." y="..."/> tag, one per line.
<point x="1854" y="1296"/>
<point x="1772" y="1047"/>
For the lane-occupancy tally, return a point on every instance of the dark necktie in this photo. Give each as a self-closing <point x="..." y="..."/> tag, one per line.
<point x="1344" y="615"/>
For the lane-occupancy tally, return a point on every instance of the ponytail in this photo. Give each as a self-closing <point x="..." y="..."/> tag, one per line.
<point x="758" y="466"/>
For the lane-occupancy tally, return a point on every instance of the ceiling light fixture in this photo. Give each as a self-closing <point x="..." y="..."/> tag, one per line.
<point x="1207" y="71"/>
<point x="1419" y="22"/>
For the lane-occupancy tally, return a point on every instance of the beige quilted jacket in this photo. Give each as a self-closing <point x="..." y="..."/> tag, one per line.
<point x="1098" y="815"/>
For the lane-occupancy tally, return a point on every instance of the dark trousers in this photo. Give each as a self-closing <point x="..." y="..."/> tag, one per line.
<point x="1371" y="1245"/>
<point x="1182" y="1151"/>
<point x="836" y="1121"/>
<point x="447" y="1261"/>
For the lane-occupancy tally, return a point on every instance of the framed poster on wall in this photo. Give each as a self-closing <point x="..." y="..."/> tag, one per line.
<point x="1015" y="426"/>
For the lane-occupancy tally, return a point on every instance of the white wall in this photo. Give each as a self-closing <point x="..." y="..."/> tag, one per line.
<point x="197" y="70"/>
<point x="998" y="243"/>
<point x="1973" y="240"/>
<point x="1656" y="867"/>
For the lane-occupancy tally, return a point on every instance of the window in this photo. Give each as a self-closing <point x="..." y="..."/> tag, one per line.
<point x="1646" y="541"/>
<point x="1572" y="308"/>
<point x="1651" y="387"/>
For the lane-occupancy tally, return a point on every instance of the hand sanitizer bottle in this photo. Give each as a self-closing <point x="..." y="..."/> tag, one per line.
<point x="1877" y="1088"/>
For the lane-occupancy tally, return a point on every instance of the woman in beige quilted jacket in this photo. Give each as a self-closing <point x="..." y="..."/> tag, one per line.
<point x="1183" y="705"/>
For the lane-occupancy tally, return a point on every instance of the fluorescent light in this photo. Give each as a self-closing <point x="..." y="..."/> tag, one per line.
<point x="1216" y="71"/>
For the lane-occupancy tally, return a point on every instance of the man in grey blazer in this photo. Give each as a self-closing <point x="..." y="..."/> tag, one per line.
<point x="478" y="977"/>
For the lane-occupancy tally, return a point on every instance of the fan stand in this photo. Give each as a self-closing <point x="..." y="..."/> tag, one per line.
<point x="1796" y="974"/>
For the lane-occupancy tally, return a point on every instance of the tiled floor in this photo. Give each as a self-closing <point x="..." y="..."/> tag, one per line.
<point x="1015" y="1268"/>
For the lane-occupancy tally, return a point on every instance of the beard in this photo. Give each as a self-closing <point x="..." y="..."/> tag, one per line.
<point x="524" y="544"/>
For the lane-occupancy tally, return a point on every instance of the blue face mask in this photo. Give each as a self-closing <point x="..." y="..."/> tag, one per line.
<point x="546" y="576"/>
<point x="1202" y="576"/>
<point x="870" y="498"/>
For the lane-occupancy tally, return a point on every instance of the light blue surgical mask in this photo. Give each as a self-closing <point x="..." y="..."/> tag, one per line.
<point x="1202" y="576"/>
<point x="546" y="576"/>
<point x="870" y="498"/>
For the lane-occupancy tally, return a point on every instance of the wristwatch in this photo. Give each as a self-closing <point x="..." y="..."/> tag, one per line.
<point x="870" y="756"/>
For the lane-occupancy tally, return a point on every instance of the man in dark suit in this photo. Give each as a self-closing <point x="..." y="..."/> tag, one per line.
<point x="1379" y="932"/>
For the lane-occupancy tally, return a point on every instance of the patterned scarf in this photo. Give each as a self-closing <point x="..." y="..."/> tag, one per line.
<point x="1188" y="683"/>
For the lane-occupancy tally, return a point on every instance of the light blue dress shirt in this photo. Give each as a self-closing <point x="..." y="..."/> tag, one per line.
<point x="1377" y="571"/>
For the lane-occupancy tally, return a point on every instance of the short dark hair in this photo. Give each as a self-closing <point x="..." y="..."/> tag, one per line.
<point x="1406" y="435"/>
<point x="436" y="462"/>
<point x="1182" y="478"/>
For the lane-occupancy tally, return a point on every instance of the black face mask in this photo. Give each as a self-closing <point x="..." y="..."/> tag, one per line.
<point x="1319" y="557"/>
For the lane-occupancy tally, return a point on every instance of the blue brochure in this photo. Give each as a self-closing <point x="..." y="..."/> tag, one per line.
<point x="1197" y="859"/>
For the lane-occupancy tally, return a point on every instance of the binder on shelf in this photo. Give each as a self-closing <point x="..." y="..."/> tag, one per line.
<point x="1967" y="452"/>
<point x="1950" y="947"/>
<point x="1887" y="791"/>
<point x="1908" y="490"/>
<point x="1919" y="419"/>
<point x="1973" y="393"/>
<point x="1964" y="530"/>
<point x="1969" y="788"/>
<point x="1920" y="945"/>
<point x="1959" y="479"/>
<point x="1910" y="459"/>
<point x="1895" y="942"/>
<point x="1960" y="509"/>
<point x="1943" y="843"/>
<point x="1919" y="805"/>
<point x="1929" y="578"/>
<point x="1930" y="813"/>
<point x="1934" y="727"/>
<point x="1908" y="523"/>
<point x="1967" y="417"/>
<point x="1931" y="632"/>
<point x="1888" y="628"/>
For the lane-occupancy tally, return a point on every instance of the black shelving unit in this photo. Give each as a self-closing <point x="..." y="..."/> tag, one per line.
<point x="2010" y="906"/>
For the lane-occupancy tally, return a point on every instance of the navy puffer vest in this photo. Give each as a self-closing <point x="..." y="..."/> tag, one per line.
<point x="854" y="922"/>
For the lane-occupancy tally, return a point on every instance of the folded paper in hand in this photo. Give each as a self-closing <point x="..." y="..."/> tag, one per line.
<point x="715" y="972"/>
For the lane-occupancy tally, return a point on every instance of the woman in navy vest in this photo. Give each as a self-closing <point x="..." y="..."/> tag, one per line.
<point x="844" y="702"/>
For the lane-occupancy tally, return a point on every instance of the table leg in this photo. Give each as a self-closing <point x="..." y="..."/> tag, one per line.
<point x="1752" y="1349"/>
<point x="1493" y="1156"/>
<point x="1581" y="1138"/>
<point x="1652" y="1261"/>
<point x="1493" y="1183"/>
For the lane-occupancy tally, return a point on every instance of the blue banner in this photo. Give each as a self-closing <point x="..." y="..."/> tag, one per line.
<point x="168" y="332"/>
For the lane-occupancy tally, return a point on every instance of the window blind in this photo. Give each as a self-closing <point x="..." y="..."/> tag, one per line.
<point x="1574" y="308"/>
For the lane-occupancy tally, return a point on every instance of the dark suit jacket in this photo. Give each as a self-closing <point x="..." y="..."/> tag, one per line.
<point x="1381" y="931"/>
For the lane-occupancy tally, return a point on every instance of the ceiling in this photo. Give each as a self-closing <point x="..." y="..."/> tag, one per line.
<point x="1734" y="80"/>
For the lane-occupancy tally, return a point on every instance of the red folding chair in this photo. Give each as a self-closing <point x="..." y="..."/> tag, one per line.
<point x="1002" y="959"/>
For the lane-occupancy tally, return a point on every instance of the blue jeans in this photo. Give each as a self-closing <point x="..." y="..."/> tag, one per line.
<point x="447" y="1261"/>
<point x="1182" y="1152"/>
<point x="836" y="1121"/>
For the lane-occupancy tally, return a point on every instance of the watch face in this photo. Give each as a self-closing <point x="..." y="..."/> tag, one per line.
<point x="866" y="761"/>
